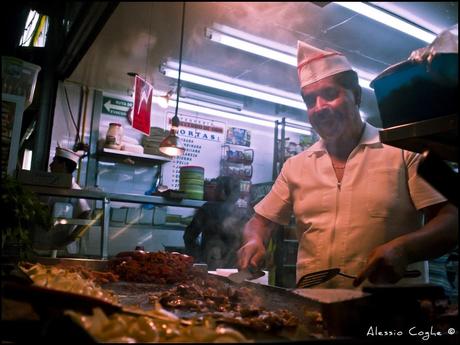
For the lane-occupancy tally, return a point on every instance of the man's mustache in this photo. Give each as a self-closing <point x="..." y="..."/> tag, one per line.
<point x="322" y="114"/>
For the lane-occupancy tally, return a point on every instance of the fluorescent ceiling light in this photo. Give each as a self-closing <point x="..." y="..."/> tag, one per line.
<point x="238" y="43"/>
<point x="243" y="116"/>
<point x="237" y="117"/>
<point x="389" y="20"/>
<point x="221" y="82"/>
<point x="271" y="50"/>
<point x="408" y="15"/>
<point x="229" y="31"/>
<point x="213" y="99"/>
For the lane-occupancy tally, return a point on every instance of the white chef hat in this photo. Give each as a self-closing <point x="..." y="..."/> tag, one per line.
<point x="314" y="64"/>
<point x="68" y="154"/>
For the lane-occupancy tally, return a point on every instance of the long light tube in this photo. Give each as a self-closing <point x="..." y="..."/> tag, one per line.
<point x="243" y="116"/>
<point x="236" y="117"/>
<point x="213" y="99"/>
<point x="232" y="88"/>
<point x="288" y="56"/>
<point x="241" y="44"/>
<point x="285" y="98"/>
<point x="389" y="20"/>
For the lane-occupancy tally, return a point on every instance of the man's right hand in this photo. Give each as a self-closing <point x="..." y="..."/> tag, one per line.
<point x="251" y="254"/>
<point x="256" y="233"/>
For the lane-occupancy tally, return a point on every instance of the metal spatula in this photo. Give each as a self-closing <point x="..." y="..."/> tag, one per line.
<point x="315" y="278"/>
<point x="242" y="275"/>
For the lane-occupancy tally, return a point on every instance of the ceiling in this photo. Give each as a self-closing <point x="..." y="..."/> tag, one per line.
<point x="138" y="37"/>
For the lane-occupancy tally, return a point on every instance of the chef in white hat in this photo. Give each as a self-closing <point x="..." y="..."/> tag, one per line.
<point x="358" y="204"/>
<point x="65" y="161"/>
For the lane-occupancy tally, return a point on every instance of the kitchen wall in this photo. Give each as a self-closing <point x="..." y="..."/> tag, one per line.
<point x="119" y="177"/>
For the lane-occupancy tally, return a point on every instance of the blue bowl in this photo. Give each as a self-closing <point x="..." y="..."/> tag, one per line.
<point x="411" y="91"/>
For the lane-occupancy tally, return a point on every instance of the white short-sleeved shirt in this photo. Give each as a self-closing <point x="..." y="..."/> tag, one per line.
<point x="339" y="224"/>
<point x="79" y="205"/>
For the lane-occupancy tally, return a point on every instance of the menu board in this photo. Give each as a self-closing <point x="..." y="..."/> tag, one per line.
<point x="203" y="140"/>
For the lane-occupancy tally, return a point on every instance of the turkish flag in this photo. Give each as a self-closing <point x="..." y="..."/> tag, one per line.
<point x="142" y="105"/>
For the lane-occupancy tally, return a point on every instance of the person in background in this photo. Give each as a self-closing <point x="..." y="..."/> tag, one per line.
<point x="220" y="224"/>
<point x="65" y="161"/>
<point x="358" y="203"/>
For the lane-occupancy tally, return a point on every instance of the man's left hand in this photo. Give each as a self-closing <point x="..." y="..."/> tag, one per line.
<point x="386" y="264"/>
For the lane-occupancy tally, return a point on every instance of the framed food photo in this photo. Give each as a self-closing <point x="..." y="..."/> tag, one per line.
<point x="238" y="136"/>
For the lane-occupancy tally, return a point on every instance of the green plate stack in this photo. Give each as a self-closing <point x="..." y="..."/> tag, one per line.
<point x="191" y="181"/>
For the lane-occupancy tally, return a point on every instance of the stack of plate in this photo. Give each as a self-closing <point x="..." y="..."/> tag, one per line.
<point x="191" y="181"/>
<point x="152" y="143"/>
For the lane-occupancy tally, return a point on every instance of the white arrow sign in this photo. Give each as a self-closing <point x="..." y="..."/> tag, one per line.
<point x="109" y="106"/>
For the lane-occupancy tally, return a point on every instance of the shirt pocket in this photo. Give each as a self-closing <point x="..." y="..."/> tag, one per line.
<point x="382" y="191"/>
<point x="311" y="243"/>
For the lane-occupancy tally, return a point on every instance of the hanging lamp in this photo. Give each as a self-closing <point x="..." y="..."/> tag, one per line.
<point x="172" y="145"/>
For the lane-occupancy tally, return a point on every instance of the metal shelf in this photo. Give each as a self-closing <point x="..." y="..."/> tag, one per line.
<point x="135" y="156"/>
<point x="98" y="195"/>
<point x="438" y="134"/>
<point x="168" y="226"/>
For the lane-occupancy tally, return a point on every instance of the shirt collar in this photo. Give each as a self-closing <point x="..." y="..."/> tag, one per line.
<point x="370" y="136"/>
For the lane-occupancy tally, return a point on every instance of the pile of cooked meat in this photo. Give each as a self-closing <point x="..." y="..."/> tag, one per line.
<point x="198" y="293"/>
<point x="151" y="267"/>
<point x="225" y="304"/>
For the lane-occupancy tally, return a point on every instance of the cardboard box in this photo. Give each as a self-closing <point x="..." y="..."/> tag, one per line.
<point x="133" y="215"/>
<point x="146" y="216"/>
<point x="118" y="214"/>
<point x="159" y="215"/>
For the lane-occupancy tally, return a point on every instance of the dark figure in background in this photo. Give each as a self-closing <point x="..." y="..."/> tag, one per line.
<point x="220" y="223"/>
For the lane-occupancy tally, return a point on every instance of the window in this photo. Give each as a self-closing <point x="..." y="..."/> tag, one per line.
<point x="35" y="30"/>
